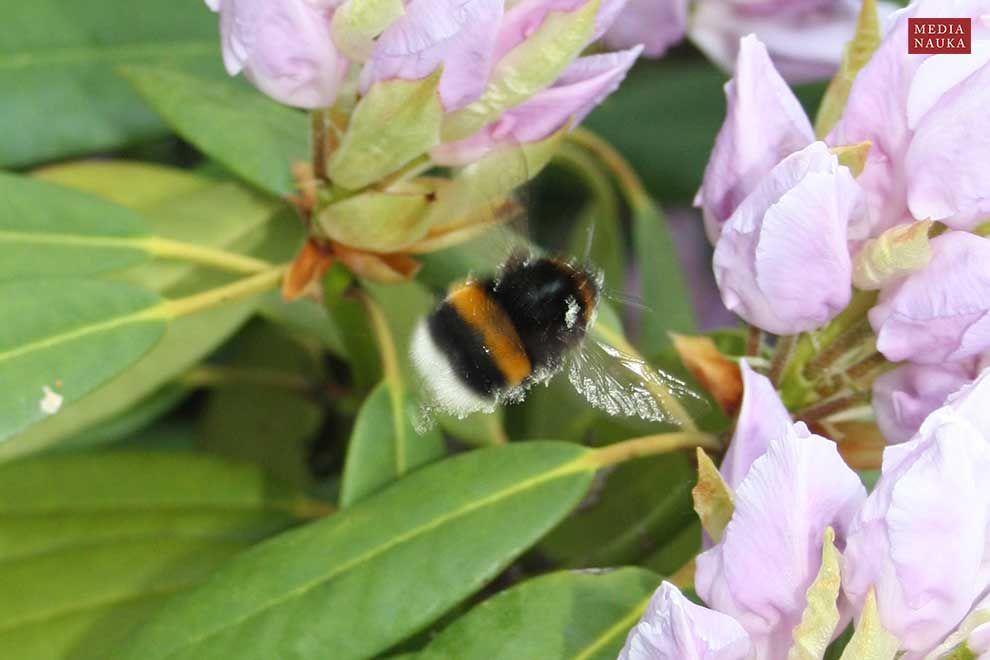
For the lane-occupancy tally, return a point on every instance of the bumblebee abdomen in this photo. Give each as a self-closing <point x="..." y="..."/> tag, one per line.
<point x="490" y="336"/>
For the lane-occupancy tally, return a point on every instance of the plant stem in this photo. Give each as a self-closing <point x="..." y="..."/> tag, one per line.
<point x="820" y="411"/>
<point x="594" y="177"/>
<point x="207" y="256"/>
<point x="754" y="340"/>
<point x="782" y="354"/>
<point x="383" y="337"/>
<point x="242" y="288"/>
<point x="851" y="337"/>
<point x="629" y="182"/>
<point x="320" y="123"/>
<point x="649" y="445"/>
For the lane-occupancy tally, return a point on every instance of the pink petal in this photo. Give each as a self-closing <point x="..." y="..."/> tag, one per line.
<point x="674" y="628"/>
<point x="762" y="418"/>
<point x="946" y="163"/>
<point x="933" y="488"/>
<point x="459" y="34"/>
<point x="902" y="398"/>
<point x="579" y="89"/>
<point x="771" y="549"/>
<point x="788" y="237"/>
<point x="764" y="123"/>
<point x="941" y="313"/>
<point x="657" y="24"/>
<point x="284" y="48"/>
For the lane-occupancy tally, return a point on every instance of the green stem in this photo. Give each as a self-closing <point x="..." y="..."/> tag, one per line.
<point x="629" y="182"/>
<point x="320" y="126"/>
<point x="783" y="352"/>
<point x="242" y="288"/>
<point x="754" y="340"/>
<point x="594" y="177"/>
<point x="650" y="445"/>
<point x="207" y="256"/>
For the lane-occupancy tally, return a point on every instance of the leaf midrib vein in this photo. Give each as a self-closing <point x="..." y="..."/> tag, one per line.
<point x="620" y="626"/>
<point x="576" y="465"/>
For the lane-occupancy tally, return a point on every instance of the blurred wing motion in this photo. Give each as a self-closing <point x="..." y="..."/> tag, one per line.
<point x="621" y="384"/>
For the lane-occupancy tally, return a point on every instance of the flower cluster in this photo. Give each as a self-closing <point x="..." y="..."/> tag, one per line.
<point x="918" y="542"/>
<point x="804" y="37"/>
<point x="893" y="198"/>
<point x="505" y="72"/>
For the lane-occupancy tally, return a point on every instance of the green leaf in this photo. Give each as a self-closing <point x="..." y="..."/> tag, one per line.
<point x="62" y="338"/>
<point x="384" y="445"/>
<point x="677" y="550"/>
<point x="262" y="409"/>
<point x="252" y="136"/>
<point x="855" y="56"/>
<point x="821" y="614"/>
<point x="363" y="568"/>
<point x="396" y="121"/>
<point x="636" y="508"/>
<point x="526" y="69"/>
<point x="377" y="221"/>
<point x="46" y="229"/>
<point x="870" y="641"/>
<point x="661" y="280"/>
<point x="62" y="57"/>
<point x="565" y="616"/>
<point x="240" y="219"/>
<point x="305" y="317"/>
<point x="92" y="544"/>
<point x="712" y="498"/>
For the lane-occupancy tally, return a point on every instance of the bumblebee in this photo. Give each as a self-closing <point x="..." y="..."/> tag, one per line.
<point x="491" y="339"/>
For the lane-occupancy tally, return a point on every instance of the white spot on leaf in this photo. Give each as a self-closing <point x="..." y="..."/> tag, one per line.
<point x="50" y="401"/>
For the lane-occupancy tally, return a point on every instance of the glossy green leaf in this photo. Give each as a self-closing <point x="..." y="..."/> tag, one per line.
<point x="459" y="521"/>
<point x="240" y="219"/>
<point x="62" y="338"/>
<point x="661" y="280"/>
<point x="385" y="445"/>
<point x="677" y="550"/>
<point x="92" y="544"/>
<point x="855" y="56"/>
<point x="252" y="136"/>
<point x="262" y="408"/>
<point x="377" y="221"/>
<point x="304" y="317"/>
<point x="528" y="68"/>
<point x="46" y="229"/>
<point x="562" y="616"/>
<point x="132" y="184"/>
<point x="396" y="121"/>
<point x="58" y="64"/>
<point x="636" y="508"/>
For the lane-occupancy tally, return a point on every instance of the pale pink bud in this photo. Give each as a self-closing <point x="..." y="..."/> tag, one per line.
<point x="283" y="47"/>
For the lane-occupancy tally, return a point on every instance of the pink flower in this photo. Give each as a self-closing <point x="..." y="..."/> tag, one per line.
<point x="941" y="313"/>
<point x="764" y="123"/>
<point x="921" y="539"/>
<point x="782" y="263"/>
<point x="924" y="115"/>
<point x="904" y="397"/>
<point x="805" y="38"/>
<point x="674" y="628"/>
<point x="283" y="47"/>
<point x="770" y="551"/>
<point x="576" y="93"/>
<point x="458" y="34"/>
<point x="762" y="417"/>
<point x="656" y="24"/>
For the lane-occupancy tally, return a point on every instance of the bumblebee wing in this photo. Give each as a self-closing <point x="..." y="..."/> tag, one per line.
<point x="625" y="385"/>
